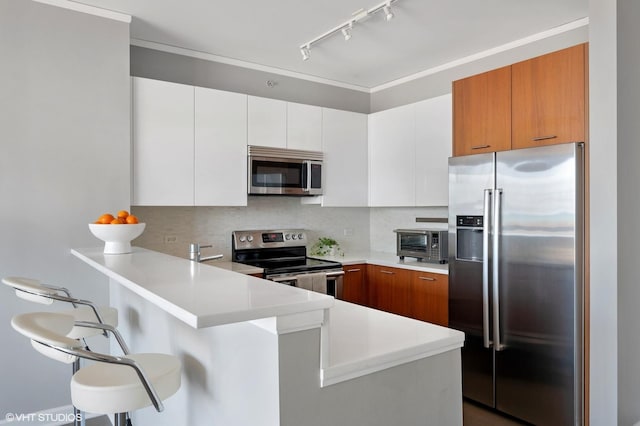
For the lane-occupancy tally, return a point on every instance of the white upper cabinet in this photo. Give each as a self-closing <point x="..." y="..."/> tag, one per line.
<point x="409" y="147"/>
<point x="267" y="125"/>
<point x="189" y="145"/>
<point x="392" y="157"/>
<point x="220" y="148"/>
<point x="281" y="124"/>
<point x="162" y="143"/>
<point x="344" y="143"/>
<point x="433" y="149"/>
<point x="304" y="127"/>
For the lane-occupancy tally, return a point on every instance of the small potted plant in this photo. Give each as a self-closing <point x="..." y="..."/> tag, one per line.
<point x="326" y="246"/>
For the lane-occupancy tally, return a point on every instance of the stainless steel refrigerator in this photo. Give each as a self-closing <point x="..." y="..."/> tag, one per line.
<point x="516" y="232"/>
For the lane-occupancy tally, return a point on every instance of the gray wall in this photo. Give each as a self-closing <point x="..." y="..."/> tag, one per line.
<point x="628" y="61"/>
<point x="64" y="120"/>
<point x="604" y="223"/>
<point x="199" y="72"/>
<point x="166" y="66"/>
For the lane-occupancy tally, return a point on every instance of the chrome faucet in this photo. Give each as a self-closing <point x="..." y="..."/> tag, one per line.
<point x="194" y="253"/>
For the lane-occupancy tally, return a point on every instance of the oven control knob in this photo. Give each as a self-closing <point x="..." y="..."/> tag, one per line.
<point x="300" y="236"/>
<point x="250" y="238"/>
<point x="287" y="236"/>
<point x="294" y="236"/>
<point x="242" y="238"/>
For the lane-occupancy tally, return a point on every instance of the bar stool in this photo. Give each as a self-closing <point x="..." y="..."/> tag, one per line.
<point x="90" y="320"/>
<point x="110" y="385"/>
<point x="83" y="310"/>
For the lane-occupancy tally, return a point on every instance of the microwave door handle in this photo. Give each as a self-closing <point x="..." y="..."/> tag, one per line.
<point x="307" y="166"/>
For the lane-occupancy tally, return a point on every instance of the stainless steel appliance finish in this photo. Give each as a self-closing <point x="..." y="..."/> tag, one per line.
<point x="282" y="253"/>
<point x="423" y="244"/>
<point x="516" y="229"/>
<point x="277" y="171"/>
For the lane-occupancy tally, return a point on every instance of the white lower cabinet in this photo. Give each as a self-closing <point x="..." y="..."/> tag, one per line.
<point x="220" y="148"/>
<point x="189" y="145"/>
<point x="344" y="144"/>
<point x="409" y="147"/>
<point x="162" y="133"/>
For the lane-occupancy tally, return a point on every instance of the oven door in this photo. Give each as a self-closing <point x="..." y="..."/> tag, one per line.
<point x="334" y="281"/>
<point x="284" y="176"/>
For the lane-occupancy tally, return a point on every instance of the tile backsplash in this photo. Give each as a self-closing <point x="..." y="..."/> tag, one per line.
<point x="171" y="229"/>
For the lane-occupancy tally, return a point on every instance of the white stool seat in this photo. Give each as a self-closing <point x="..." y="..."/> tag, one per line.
<point x="108" y="314"/>
<point x="110" y="388"/>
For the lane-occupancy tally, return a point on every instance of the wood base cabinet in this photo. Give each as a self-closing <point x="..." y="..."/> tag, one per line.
<point x="420" y="295"/>
<point x="354" y="285"/>
<point x="389" y="289"/>
<point x="430" y="297"/>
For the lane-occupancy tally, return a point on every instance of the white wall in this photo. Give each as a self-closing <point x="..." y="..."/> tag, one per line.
<point x="604" y="223"/>
<point x="64" y="126"/>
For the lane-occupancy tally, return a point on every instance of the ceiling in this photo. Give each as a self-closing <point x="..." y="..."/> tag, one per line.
<point x="423" y="34"/>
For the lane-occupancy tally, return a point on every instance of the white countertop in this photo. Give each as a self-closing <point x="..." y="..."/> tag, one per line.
<point x="199" y="294"/>
<point x="240" y="268"/>
<point x="364" y="340"/>
<point x="388" y="259"/>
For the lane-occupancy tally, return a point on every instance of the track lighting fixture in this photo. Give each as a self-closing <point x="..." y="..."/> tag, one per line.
<point x="346" y="31"/>
<point x="346" y="27"/>
<point x="304" y="50"/>
<point x="388" y="14"/>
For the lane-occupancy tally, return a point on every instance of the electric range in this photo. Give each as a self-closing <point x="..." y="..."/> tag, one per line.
<point x="282" y="254"/>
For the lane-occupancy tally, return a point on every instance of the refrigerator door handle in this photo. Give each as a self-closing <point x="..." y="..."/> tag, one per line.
<point x="497" y="229"/>
<point x="485" y="268"/>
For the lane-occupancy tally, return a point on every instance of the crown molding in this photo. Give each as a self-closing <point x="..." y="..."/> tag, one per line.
<point x="91" y="10"/>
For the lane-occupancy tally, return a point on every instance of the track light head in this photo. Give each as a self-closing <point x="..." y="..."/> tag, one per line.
<point x="305" y="53"/>
<point x="346" y="31"/>
<point x="388" y="14"/>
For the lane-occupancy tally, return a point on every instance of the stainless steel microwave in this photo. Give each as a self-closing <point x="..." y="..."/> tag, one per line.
<point x="278" y="171"/>
<point x="424" y="244"/>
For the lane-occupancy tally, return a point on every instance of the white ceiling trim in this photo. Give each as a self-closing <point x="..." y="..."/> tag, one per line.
<point x="489" y="52"/>
<point x="91" y="10"/>
<point x="237" y="62"/>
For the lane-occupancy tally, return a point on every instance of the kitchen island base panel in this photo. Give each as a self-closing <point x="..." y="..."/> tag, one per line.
<point x="425" y="392"/>
<point x="241" y="374"/>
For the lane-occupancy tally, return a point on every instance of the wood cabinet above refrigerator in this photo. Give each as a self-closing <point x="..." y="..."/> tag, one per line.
<point x="540" y="101"/>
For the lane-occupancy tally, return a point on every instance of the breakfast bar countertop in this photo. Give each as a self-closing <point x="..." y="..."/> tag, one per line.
<point x="198" y="294"/>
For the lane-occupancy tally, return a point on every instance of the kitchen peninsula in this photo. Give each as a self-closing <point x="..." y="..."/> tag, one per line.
<point x="261" y="353"/>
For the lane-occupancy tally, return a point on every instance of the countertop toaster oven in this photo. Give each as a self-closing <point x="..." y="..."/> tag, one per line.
<point x="424" y="244"/>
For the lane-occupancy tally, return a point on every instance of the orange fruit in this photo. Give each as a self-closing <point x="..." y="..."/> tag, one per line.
<point x="123" y="214"/>
<point x="106" y="218"/>
<point x="132" y="220"/>
<point x="117" y="221"/>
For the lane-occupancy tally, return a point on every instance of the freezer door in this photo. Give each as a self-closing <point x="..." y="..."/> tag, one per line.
<point x="538" y="368"/>
<point x="469" y="177"/>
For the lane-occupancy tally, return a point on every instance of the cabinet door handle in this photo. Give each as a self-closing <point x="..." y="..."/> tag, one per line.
<point x="480" y="146"/>
<point x="387" y="272"/>
<point x="427" y="278"/>
<point x="353" y="270"/>
<point x="543" y="138"/>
